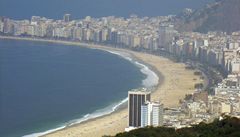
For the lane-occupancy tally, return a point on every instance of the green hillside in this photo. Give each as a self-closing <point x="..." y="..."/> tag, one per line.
<point x="228" y="127"/>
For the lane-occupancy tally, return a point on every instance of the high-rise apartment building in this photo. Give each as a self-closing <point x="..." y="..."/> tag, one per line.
<point x="152" y="114"/>
<point x="157" y="114"/>
<point x="66" y="17"/>
<point x="166" y="34"/>
<point x="136" y="98"/>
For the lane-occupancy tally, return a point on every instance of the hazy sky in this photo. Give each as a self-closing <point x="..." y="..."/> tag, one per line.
<point x="20" y="9"/>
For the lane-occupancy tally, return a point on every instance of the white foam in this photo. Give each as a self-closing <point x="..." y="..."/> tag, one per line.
<point x="152" y="78"/>
<point x="150" y="81"/>
<point x="86" y="115"/>
<point x="97" y="113"/>
<point x="45" y="132"/>
<point x="121" y="54"/>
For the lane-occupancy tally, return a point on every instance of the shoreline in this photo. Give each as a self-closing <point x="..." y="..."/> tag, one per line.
<point x="120" y="105"/>
<point x="135" y="55"/>
<point x="119" y="51"/>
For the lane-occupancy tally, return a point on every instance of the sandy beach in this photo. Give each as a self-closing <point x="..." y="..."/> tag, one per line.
<point x="176" y="83"/>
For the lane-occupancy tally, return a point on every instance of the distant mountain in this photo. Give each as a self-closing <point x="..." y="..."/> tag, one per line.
<point x="222" y="15"/>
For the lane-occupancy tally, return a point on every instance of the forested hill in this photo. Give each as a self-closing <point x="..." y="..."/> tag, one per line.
<point x="228" y="127"/>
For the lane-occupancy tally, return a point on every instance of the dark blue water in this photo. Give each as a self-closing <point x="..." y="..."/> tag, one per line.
<point x="24" y="9"/>
<point x="44" y="85"/>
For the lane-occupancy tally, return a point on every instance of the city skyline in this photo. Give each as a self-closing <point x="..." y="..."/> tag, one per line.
<point x="186" y="66"/>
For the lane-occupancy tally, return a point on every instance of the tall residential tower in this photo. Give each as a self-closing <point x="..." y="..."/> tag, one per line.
<point x="152" y="114"/>
<point x="66" y="17"/>
<point x="137" y="98"/>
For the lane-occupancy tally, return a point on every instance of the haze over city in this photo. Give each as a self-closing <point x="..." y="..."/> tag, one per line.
<point x="107" y="68"/>
<point x="24" y="9"/>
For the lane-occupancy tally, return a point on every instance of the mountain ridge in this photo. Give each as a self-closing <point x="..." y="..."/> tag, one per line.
<point x="222" y="15"/>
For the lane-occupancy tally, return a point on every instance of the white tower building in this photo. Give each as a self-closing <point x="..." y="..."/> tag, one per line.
<point x="152" y="114"/>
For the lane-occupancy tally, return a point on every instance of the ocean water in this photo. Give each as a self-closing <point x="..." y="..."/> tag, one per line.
<point x="24" y="9"/>
<point x="44" y="87"/>
<point x="48" y="86"/>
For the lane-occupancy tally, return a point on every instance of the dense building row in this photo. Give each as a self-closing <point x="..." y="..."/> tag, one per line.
<point x="221" y="51"/>
<point x="133" y="32"/>
<point x="227" y="94"/>
<point x="155" y="34"/>
<point x="152" y="34"/>
<point x="215" y="49"/>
